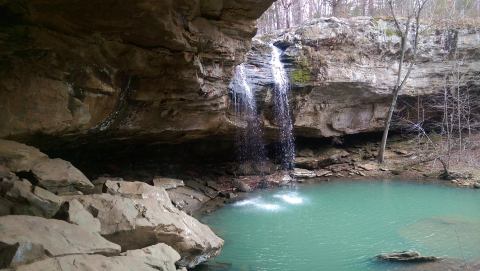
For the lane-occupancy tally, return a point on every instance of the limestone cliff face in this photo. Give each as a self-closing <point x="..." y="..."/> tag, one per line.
<point x="342" y="71"/>
<point x="137" y="68"/>
<point x="160" y="70"/>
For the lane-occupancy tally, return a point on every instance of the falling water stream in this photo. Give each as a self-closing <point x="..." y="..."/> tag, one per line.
<point x="250" y="144"/>
<point x="282" y="109"/>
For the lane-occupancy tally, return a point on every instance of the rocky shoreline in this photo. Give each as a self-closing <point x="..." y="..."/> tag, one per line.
<point x="53" y="215"/>
<point x="53" y="218"/>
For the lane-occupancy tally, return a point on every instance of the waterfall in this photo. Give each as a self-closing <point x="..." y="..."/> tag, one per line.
<point x="282" y="109"/>
<point x="249" y="141"/>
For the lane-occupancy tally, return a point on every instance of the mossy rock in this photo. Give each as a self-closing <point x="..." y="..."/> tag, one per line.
<point x="301" y="76"/>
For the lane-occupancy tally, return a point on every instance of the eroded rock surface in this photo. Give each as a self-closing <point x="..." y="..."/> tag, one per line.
<point x="55" y="175"/>
<point x="20" y="197"/>
<point x="153" y="258"/>
<point x="24" y="239"/>
<point x="139" y="69"/>
<point x="60" y="176"/>
<point x="136" y="215"/>
<point x="342" y="72"/>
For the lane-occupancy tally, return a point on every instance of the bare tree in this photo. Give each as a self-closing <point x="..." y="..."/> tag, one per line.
<point x="414" y="12"/>
<point x="337" y="7"/>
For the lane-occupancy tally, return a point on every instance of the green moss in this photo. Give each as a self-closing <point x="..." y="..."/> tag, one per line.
<point x="301" y="76"/>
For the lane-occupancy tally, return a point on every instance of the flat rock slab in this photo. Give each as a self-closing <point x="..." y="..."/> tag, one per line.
<point x="19" y="157"/>
<point x="153" y="258"/>
<point x="27" y="238"/>
<point x="406" y="256"/>
<point x="167" y="183"/>
<point x="302" y="173"/>
<point x="60" y="176"/>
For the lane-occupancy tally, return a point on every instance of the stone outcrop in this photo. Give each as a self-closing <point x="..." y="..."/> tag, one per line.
<point x="141" y="69"/>
<point x="60" y="176"/>
<point x="343" y="70"/>
<point x="137" y="215"/>
<point x="20" y="197"/>
<point x="167" y="183"/>
<point x="56" y="175"/>
<point x="160" y="70"/>
<point x="24" y="239"/>
<point x="74" y="212"/>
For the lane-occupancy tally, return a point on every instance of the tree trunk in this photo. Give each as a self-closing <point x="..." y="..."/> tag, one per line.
<point x="277" y="16"/>
<point x="287" y="17"/>
<point x="396" y="91"/>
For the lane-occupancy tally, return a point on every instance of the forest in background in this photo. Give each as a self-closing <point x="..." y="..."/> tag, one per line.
<point x="288" y="13"/>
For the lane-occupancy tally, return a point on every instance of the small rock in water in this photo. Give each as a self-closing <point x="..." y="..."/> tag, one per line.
<point x="476" y="185"/>
<point x="406" y="256"/>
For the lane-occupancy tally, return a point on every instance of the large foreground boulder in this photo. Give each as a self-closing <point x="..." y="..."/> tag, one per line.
<point x="158" y="257"/>
<point x="60" y="176"/>
<point x="20" y="197"/>
<point x="55" y="175"/>
<point x="19" y="157"/>
<point x="138" y="215"/>
<point x="24" y="239"/>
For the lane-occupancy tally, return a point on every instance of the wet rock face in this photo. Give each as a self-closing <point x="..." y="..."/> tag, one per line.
<point x="343" y="70"/>
<point x="145" y="69"/>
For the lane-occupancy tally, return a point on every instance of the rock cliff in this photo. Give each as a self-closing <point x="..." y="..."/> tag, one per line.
<point x="159" y="71"/>
<point x="343" y="70"/>
<point x="143" y="69"/>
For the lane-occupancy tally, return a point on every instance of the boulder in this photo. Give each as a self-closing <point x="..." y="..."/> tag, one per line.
<point x="25" y="199"/>
<point x="159" y="255"/>
<point x="131" y="189"/>
<point x="153" y="258"/>
<point x="60" y="176"/>
<point x="99" y="183"/>
<point x="187" y="199"/>
<point x="243" y="184"/>
<point x="406" y="256"/>
<point x="28" y="238"/>
<point x="278" y="179"/>
<point x="19" y="157"/>
<point x="55" y="175"/>
<point x="139" y="215"/>
<point x="74" y="212"/>
<point x="167" y="183"/>
<point x="202" y="187"/>
<point x="476" y="185"/>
